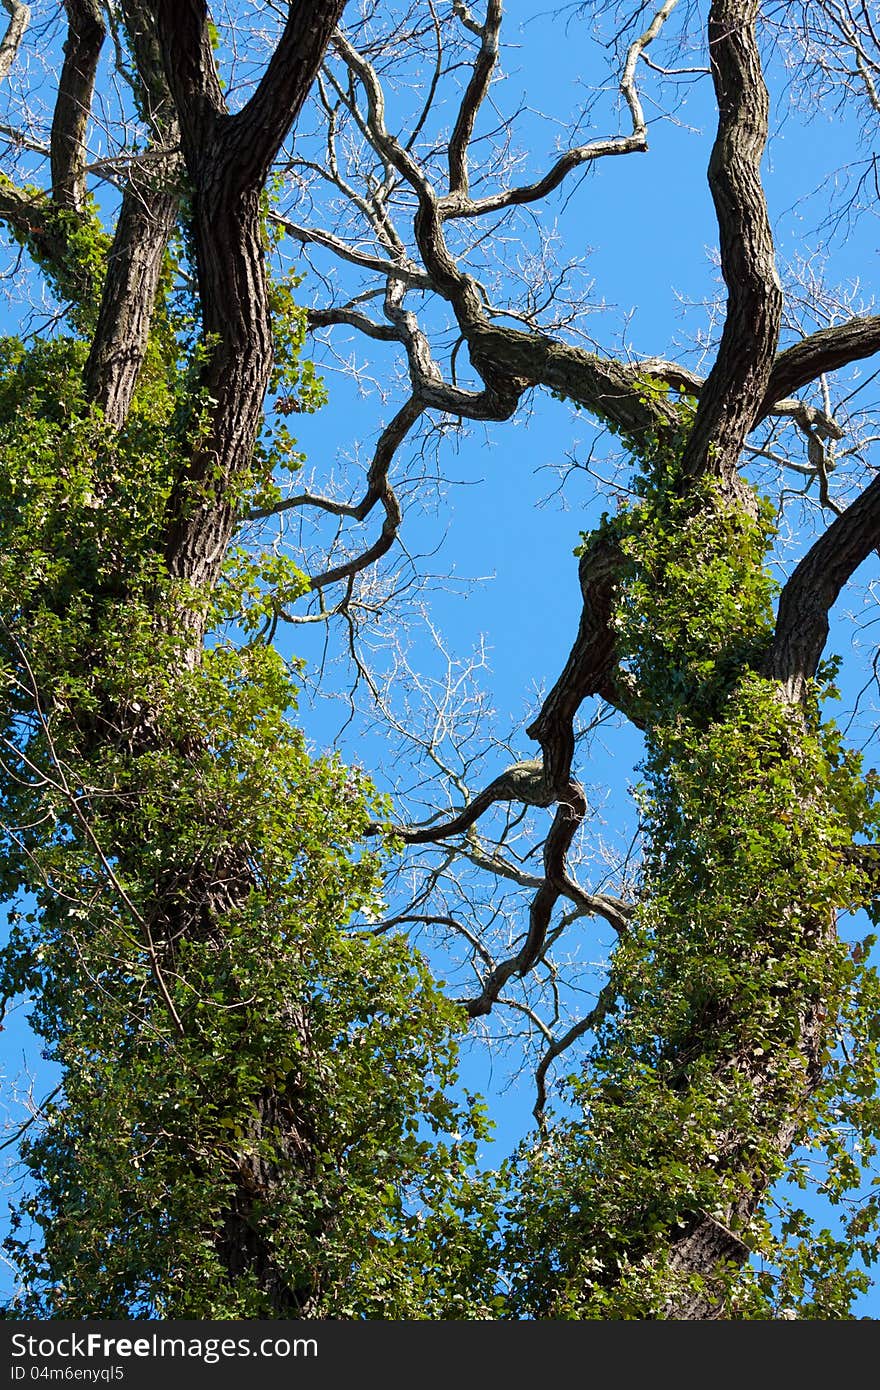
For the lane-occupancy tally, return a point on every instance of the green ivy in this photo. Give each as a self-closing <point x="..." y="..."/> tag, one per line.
<point x="750" y="810"/>
<point x="127" y="775"/>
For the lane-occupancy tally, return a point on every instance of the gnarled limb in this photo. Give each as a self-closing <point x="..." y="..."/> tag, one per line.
<point x="737" y="383"/>
<point x="590" y="668"/>
<point x="812" y="589"/>
<point x="747" y="382"/>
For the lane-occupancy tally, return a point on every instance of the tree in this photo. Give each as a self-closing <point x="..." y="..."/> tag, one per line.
<point x="258" y="1115"/>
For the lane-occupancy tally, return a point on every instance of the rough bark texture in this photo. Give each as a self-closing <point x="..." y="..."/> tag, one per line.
<point x="731" y="396"/>
<point x="146" y="220"/>
<point x="148" y="214"/>
<point x="73" y="103"/>
<point x="227" y="159"/>
<point x="812" y="590"/>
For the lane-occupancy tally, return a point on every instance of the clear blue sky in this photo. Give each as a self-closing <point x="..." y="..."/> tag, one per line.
<point x="646" y="226"/>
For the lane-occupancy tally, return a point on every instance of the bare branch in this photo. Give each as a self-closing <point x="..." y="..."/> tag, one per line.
<point x="523" y="782"/>
<point x="32" y="1119"/>
<point x="379" y="489"/>
<point x="584" y="1025"/>
<point x="457" y="203"/>
<point x="328" y="318"/>
<point x="613" y="910"/>
<point x="462" y="13"/>
<point x="473" y="98"/>
<point x="19" y="18"/>
<point x="405" y="270"/>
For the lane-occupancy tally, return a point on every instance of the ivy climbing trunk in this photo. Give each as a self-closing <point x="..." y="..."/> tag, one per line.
<point x="257" y="1116"/>
<point x="224" y="164"/>
<point x="725" y="987"/>
<point x="704" y="1244"/>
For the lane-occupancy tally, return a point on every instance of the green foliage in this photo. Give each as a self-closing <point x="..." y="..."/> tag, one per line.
<point x="709" y="1063"/>
<point x="191" y="904"/>
<point x="70" y="247"/>
<point x="294" y="388"/>
<point x="696" y="606"/>
<point x="187" y="880"/>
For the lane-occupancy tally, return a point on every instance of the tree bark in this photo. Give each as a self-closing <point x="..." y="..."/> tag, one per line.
<point x="732" y="393"/>
<point x="813" y="588"/>
<point x="227" y="161"/>
<point x="134" y="265"/>
<point x="73" y="103"/>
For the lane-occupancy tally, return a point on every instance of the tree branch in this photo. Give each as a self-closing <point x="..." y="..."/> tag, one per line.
<point x="473" y="98"/>
<point x="615" y="911"/>
<point x="740" y="375"/>
<point x="328" y="318"/>
<point x="604" y="1003"/>
<point x="146" y="219"/>
<point x="378" y="489"/>
<point x="73" y="104"/>
<point x="802" y="619"/>
<point x="259" y="129"/>
<point x="134" y="265"/>
<point x="825" y="351"/>
<point x="185" y="43"/>
<point x="404" y="270"/>
<point x="32" y="1119"/>
<point x="227" y="159"/>
<point x="590" y="668"/>
<point x="457" y="203"/>
<point x="523" y="782"/>
<point x="19" y="18"/>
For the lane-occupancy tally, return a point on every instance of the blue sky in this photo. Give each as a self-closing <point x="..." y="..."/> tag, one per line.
<point x="645" y="226"/>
